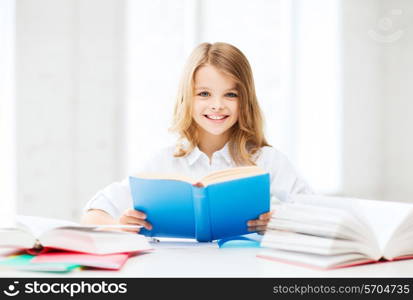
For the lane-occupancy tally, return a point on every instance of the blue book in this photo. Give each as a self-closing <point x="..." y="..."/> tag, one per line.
<point x="217" y="206"/>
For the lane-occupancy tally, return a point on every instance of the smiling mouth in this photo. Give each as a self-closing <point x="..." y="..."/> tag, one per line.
<point x="216" y="117"/>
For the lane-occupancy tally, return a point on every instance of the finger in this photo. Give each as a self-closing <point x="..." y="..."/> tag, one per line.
<point x="134" y="221"/>
<point x="145" y="224"/>
<point x="131" y="230"/>
<point x="257" y="229"/>
<point x="257" y="223"/>
<point x="135" y="213"/>
<point x="130" y="220"/>
<point x="266" y="216"/>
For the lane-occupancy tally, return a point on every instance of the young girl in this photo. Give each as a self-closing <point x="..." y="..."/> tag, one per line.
<point x="220" y="125"/>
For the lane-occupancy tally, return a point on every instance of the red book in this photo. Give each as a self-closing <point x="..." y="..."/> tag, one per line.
<point x="107" y="261"/>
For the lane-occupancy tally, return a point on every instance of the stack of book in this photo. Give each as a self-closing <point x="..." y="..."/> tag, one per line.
<point x="40" y="244"/>
<point x="324" y="232"/>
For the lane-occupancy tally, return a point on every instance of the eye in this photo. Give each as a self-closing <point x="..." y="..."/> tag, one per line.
<point x="203" y="94"/>
<point x="231" y="95"/>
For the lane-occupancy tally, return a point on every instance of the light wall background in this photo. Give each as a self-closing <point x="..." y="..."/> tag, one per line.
<point x="87" y="90"/>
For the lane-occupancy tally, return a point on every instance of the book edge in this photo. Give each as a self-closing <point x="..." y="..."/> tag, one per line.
<point x="314" y="267"/>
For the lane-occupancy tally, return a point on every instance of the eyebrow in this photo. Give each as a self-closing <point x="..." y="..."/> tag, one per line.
<point x="206" y="88"/>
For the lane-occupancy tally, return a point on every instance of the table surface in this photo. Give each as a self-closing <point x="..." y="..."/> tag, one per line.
<point x="192" y="259"/>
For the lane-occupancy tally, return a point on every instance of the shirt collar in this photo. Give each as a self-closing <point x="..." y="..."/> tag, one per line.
<point x="224" y="153"/>
<point x="196" y="154"/>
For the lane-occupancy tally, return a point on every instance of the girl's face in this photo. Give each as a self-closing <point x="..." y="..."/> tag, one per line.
<point x="215" y="107"/>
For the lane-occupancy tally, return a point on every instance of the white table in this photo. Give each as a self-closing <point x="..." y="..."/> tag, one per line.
<point x="172" y="259"/>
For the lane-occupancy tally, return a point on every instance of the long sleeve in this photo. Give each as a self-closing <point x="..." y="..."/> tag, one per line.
<point x="285" y="180"/>
<point x="113" y="199"/>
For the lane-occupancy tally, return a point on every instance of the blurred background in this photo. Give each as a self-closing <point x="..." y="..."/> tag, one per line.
<point x="87" y="89"/>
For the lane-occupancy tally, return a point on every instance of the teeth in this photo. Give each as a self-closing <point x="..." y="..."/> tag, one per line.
<point x="216" y="117"/>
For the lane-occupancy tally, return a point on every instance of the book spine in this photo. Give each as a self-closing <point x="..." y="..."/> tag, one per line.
<point x="201" y="214"/>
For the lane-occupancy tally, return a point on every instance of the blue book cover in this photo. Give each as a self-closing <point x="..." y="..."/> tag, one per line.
<point x="218" y="207"/>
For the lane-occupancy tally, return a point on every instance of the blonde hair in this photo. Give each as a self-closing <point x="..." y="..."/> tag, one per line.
<point x="247" y="135"/>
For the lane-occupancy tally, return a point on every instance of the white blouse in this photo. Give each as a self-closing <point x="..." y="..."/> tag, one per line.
<point x="116" y="197"/>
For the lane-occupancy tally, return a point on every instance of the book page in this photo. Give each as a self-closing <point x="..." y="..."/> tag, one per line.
<point x="400" y="245"/>
<point x="38" y="225"/>
<point x="319" y="220"/>
<point x="336" y="230"/>
<point x="382" y="217"/>
<point x="231" y="174"/>
<point x="214" y="177"/>
<point x="312" y="260"/>
<point x="290" y="241"/>
<point x="96" y="242"/>
<point x="16" y="238"/>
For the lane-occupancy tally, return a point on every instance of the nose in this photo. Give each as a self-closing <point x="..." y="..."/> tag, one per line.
<point x="217" y="104"/>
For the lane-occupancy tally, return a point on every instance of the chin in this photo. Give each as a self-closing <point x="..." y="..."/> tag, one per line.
<point x="215" y="131"/>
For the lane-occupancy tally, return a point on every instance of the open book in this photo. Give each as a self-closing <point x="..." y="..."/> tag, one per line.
<point x="332" y="232"/>
<point x="36" y="233"/>
<point x="213" y="207"/>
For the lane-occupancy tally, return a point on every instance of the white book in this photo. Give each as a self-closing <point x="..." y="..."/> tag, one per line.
<point x="37" y="233"/>
<point x="330" y="232"/>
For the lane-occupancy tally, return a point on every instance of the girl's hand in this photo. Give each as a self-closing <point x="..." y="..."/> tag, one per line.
<point x="260" y="224"/>
<point x="134" y="217"/>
